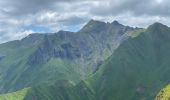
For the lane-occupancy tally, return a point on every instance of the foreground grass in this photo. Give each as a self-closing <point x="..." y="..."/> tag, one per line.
<point x="164" y="94"/>
<point x="19" y="95"/>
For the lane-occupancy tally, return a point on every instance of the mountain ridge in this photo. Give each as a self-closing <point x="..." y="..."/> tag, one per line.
<point x="130" y="64"/>
<point x="46" y="58"/>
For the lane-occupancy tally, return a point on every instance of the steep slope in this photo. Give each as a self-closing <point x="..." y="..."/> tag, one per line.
<point x="65" y="89"/>
<point x="138" y="68"/>
<point x="14" y="56"/>
<point x="19" y="95"/>
<point x="47" y="58"/>
<point x="62" y="90"/>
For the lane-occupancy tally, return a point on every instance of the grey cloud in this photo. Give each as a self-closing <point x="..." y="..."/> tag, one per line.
<point x="22" y="7"/>
<point x="135" y="7"/>
<point x="74" y="20"/>
<point x="63" y="14"/>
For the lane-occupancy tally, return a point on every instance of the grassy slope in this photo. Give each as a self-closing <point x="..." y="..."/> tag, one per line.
<point x="94" y="44"/>
<point x="61" y="69"/>
<point x="15" y="62"/>
<point x="65" y="89"/>
<point x="16" y="55"/>
<point x="138" y="68"/>
<point x="164" y="94"/>
<point x="19" y="95"/>
<point x="62" y="90"/>
<point x="21" y="75"/>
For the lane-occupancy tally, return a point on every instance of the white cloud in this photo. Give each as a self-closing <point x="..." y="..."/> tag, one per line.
<point x="17" y="15"/>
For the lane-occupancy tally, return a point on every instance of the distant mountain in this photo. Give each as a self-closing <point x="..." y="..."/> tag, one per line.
<point x="45" y="59"/>
<point x="136" y="70"/>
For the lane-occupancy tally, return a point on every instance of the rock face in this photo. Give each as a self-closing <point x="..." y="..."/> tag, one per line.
<point x="1" y="56"/>
<point x="137" y="70"/>
<point x="47" y="58"/>
<point x="49" y="49"/>
<point x="95" y="41"/>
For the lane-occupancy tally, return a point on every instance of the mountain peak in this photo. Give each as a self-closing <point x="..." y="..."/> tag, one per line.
<point x="116" y="23"/>
<point x="92" y="21"/>
<point x="156" y="26"/>
<point x="63" y="31"/>
<point x="33" y="37"/>
<point x="159" y="31"/>
<point x="92" y="25"/>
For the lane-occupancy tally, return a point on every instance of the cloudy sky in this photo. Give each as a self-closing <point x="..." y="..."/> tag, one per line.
<point x="18" y="18"/>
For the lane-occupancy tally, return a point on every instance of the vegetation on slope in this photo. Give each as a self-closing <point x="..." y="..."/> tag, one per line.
<point x="136" y="71"/>
<point x="135" y="33"/>
<point x="19" y="95"/>
<point x="138" y="68"/>
<point x="96" y="87"/>
<point x="164" y="94"/>
<point x="46" y="58"/>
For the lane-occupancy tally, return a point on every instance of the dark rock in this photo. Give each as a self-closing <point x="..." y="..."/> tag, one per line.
<point x="2" y="56"/>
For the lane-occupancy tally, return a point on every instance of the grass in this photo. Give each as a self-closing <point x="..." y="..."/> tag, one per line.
<point x="164" y="94"/>
<point x="19" y="95"/>
<point x="135" y="33"/>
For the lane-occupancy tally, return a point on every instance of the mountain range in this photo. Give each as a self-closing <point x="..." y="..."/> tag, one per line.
<point x="102" y="61"/>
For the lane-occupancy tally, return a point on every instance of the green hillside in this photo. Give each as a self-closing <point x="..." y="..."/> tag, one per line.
<point x="46" y="58"/>
<point x="164" y="94"/>
<point x="137" y="70"/>
<point x="19" y="95"/>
